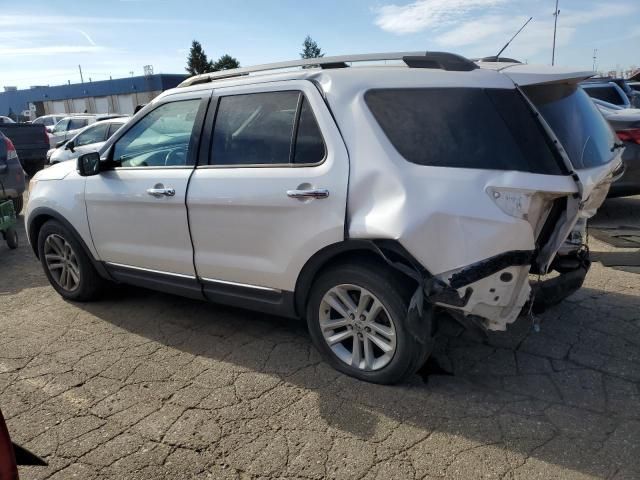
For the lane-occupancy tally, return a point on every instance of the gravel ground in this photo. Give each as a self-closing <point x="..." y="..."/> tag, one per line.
<point x="146" y="385"/>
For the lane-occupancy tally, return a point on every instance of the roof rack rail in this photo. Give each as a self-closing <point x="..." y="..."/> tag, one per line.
<point x="439" y="60"/>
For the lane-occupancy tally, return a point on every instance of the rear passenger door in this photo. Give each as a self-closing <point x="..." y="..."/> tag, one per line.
<point x="270" y="189"/>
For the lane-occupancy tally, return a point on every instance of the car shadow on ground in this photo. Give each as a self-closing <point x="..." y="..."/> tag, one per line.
<point x="566" y="396"/>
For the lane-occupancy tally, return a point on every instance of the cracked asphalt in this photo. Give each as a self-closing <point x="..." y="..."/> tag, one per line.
<point x="143" y="385"/>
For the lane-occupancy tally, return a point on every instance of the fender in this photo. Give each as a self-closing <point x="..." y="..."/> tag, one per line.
<point x="39" y="216"/>
<point x="381" y="249"/>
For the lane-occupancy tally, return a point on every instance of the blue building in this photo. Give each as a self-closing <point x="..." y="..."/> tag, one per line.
<point x="106" y="96"/>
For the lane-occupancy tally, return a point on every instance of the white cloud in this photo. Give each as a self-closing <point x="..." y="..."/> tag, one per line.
<point x="423" y="14"/>
<point x="481" y="27"/>
<point x="48" y="50"/>
<point x="86" y="35"/>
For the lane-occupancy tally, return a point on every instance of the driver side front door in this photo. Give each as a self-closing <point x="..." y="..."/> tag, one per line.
<point x="136" y="210"/>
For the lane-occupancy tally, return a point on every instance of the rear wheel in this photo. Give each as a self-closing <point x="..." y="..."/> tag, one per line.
<point x="11" y="237"/>
<point x="67" y="266"/>
<point x="357" y="320"/>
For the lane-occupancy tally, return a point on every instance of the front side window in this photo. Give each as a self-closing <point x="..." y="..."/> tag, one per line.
<point x="491" y="129"/>
<point x="61" y="126"/>
<point x="93" y="134"/>
<point x="159" y="139"/>
<point x="274" y="128"/>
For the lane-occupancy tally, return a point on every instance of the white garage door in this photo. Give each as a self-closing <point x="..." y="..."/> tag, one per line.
<point x="58" y="107"/>
<point x="125" y="104"/>
<point x="79" y="105"/>
<point x="102" y="104"/>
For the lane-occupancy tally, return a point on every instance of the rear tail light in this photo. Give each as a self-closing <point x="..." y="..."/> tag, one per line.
<point x="631" y="135"/>
<point x="11" y="150"/>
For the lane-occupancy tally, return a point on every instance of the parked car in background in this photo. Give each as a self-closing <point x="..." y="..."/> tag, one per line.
<point x="361" y="199"/>
<point x="90" y="139"/>
<point x="70" y="126"/>
<point x="12" y="181"/>
<point x="632" y="95"/>
<point x="31" y="142"/>
<point x="49" y="121"/>
<point x="607" y="92"/>
<point x="6" y="120"/>
<point x="626" y="123"/>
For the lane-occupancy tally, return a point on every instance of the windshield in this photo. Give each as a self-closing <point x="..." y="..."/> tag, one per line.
<point x="583" y="131"/>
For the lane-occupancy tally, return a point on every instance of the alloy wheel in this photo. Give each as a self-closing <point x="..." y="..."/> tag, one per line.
<point x="357" y="327"/>
<point x="62" y="262"/>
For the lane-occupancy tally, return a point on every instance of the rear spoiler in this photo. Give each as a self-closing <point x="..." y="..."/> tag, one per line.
<point x="523" y="75"/>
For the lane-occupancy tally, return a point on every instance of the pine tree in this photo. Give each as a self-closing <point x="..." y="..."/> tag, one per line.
<point x="310" y="49"/>
<point x="225" y="62"/>
<point x="197" y="61"/>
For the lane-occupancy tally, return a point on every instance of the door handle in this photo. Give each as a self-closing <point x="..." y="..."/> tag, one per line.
<point x="159" y="191"/>
<point x="312" y="193"/>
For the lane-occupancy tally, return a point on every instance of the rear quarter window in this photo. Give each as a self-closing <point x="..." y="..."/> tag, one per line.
<point x="607" y="94"/>
<point x="464" y="128"/>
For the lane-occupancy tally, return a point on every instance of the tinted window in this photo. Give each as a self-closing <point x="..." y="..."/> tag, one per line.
<point x="254" y="129"/>
<point x="161" y="138"/>
<point x="93" y="134"/>
<point x="607" y="94"/>
<point x="463" y="128"/>
<point x="309" y="146"/>
<point x="584" y="133"/>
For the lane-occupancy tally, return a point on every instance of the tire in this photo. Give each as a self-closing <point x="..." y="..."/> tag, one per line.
<point x="56" y="241"/>
<point x="373" y="281"/>
<point x="11" y="237"/>
<point x="18" y="203"/>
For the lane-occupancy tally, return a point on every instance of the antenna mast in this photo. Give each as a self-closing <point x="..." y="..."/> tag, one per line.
<point x="555" y="26"/>
<point x="516" y="34"/>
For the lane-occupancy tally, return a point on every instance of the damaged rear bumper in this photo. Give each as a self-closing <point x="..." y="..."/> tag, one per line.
<point x="495" y="291"/>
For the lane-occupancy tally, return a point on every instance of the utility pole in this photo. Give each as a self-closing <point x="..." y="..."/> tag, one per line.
<point x="595" y="56"/>
<point x="555" y="26"/>
<point x="81" y="79"/>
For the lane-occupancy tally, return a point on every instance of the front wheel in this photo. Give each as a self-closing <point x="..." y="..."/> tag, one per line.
<point x="357" y="318"/>
<point x="66" y="265"/>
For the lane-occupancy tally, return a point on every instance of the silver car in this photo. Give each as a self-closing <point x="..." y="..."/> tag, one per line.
<point x="90" y="139"/>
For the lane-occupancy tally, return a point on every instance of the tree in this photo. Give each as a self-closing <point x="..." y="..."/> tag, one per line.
<point x="197" y="61"/>
<point x="225" y="62"/>
<point x="310" y="49"/>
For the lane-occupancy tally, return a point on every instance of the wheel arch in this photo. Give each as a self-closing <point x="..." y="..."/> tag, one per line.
<point x="381" y="252"/>
<point x="40" y="216"/>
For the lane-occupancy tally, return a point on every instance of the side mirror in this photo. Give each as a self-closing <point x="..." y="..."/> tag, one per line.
<point x="88" y="164"/>
<point x="70" y="145"/>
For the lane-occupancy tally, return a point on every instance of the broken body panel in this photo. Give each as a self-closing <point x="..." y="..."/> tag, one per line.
<point x="482" y="238"/>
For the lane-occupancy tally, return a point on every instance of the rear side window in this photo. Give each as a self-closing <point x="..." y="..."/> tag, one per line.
<point x="113" y="128"/>
<point x="576" y="121"/>
<point x="464" y="128"/>
<point x="607" y="94"/>
<point x="76" y="123"/>
<point x="274" y="128"/>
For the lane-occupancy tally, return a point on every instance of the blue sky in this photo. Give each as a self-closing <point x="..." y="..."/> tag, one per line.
<point x="42" y="42"/>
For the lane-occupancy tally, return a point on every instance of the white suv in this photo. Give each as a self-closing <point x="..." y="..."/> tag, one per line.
<point x="362" y="198"/>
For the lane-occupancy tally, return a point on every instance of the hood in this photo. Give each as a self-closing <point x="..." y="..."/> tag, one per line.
<point x="56" y="172"/>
